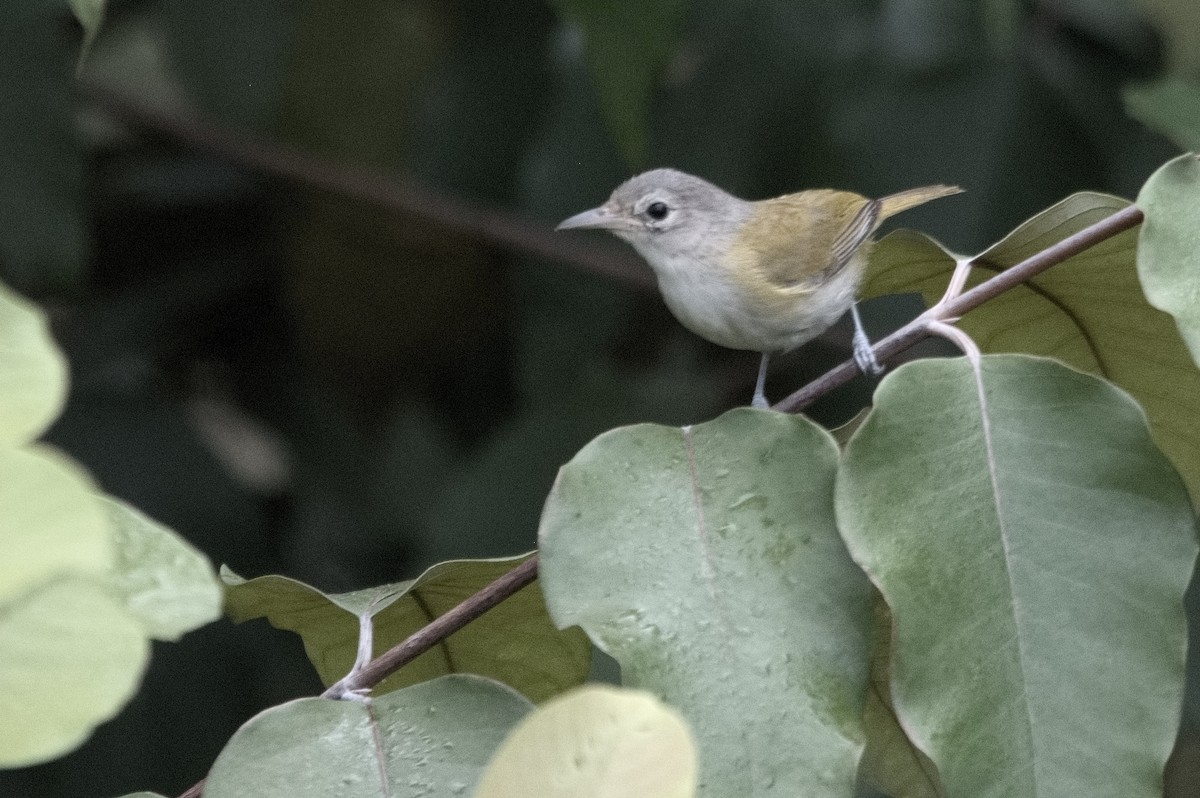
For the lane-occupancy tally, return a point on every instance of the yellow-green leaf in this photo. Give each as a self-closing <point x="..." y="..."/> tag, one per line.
<point x="51" y="522"/>
<point x="70" y="657"/>
<point x="515" y="642"/>
<point x="33" y="372"/>
<point x="595" y="742"/>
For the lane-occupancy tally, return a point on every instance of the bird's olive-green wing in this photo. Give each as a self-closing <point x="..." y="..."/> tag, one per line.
<point x="797" y="241"/>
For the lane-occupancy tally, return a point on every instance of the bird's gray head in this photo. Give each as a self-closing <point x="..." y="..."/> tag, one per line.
<point x="664" y="212"/>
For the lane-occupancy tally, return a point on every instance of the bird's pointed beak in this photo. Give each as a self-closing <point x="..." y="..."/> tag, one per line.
<point x="602" y="218"/>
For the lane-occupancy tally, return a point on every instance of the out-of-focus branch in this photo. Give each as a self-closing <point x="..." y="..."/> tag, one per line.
<point x="403" y="195"/>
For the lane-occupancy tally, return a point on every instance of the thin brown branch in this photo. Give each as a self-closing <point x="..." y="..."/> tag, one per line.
<point x="916" y="330"/>
<point x="400" y="195"/>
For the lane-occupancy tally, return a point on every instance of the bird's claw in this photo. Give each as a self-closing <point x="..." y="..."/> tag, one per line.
<point x="864" y="353"/>
<point x="864" y="358"/>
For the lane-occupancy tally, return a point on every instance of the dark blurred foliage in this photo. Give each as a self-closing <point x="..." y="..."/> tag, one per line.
<point x="308" y="383"/>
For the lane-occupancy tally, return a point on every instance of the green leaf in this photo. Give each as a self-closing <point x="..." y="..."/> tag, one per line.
<point x="427" y="741"/>
<point x="52" y="521"/>
<point x="1034" y="547"/>
<point x="706" y="561"/>
<point x="514" y="643"/>
<point x="163" y="580"/>
<point x="1168" y="254"/>
<point x="90" y="14"/>
<point x="1088" y="311"/>
<point x="70" y="657"/>
<point x="627" y="46"/>
<point x="595" y="741"/>
<point x="891" y="764"/>
<point x="1179" y="24"/>
<point x="33" y="372"/>
<point x="1171" y="106"/>
<point x="42" y="228"/>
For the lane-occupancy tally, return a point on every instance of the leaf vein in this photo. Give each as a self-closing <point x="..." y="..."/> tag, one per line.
<point x="994" y="476"/>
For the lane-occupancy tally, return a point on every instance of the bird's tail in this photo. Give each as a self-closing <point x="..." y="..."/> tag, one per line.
<point x="895" y="203"/>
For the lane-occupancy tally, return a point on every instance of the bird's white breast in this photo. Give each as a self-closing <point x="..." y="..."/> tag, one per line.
<point x="710" y="303"/>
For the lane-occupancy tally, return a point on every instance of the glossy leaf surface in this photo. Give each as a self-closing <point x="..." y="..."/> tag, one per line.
<point x="706" y="561"/>
<point x="430" y="740"/>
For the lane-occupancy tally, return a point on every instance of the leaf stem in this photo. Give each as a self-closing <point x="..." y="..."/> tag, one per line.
<point x="918" y="329"/>
<point x="957" y="337"/>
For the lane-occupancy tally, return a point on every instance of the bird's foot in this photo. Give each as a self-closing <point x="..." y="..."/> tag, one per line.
<point x="864" y="356"/>
<point x="864" y="353"/>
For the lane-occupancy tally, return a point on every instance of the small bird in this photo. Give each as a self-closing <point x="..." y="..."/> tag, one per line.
<point x="766" y="276"/>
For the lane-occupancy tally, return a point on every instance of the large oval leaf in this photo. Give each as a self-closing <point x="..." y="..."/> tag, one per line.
<point x="706" y="561"/>
<point x="1034" y="546"/>
<point x="430" y="740"/>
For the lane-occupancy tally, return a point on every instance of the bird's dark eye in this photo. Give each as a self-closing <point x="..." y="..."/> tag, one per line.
<point x="657" y="211"/>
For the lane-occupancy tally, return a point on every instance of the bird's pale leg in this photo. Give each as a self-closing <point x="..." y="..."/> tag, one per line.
<point x="760" y="398"/>
<point x="864" y="354"/>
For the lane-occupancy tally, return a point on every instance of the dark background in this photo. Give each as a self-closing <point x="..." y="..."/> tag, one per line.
<point x="300" y="256"/>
